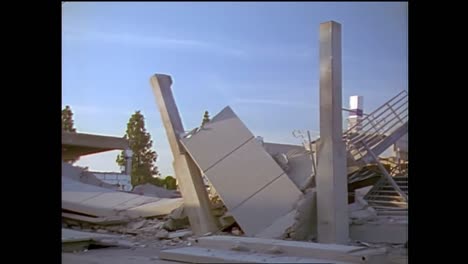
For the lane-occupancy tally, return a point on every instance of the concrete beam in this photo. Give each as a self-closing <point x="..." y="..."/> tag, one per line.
<point x="75" y="145"/>
<point x="192" y="188"/>
<point x="93" y="141"/>
<point x="331" y="181"/>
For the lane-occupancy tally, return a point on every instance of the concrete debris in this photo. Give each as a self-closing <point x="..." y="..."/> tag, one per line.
<point x="162" y="234"/>
<point x="274" y="250"/>
<point x="136" y="225"/>
<point x="360" y="212"/>
<point x="295" y="160"/>
<point x="298" y="224"/>
<point x="238" y="246"/>
<point x="226" y="221"/>
<point x="97" y="202"/>
<point x="236" y="231"/>
<point x="305" y="225"/>
<point x="180" y="234"/>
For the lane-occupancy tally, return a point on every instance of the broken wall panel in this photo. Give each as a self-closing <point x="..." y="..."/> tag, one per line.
<point x="218" y="138"/>
<point x="267" y="205"/>
<point x="248" y="180"/>
<point x="242" y="174"/>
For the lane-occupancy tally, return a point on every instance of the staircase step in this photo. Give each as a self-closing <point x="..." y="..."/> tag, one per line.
<point x="385" y="197"/>
<point x="393" y="204"/>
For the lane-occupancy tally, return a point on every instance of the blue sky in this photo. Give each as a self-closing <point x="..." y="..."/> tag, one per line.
<point x="259" y="58"/>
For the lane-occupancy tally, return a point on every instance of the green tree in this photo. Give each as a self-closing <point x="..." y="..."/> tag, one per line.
<point x="206" y="118"/>
<point x="68" y="124"/>
<point x="144" y="158"/>
<point x="67" y="120"/>
<point x="170" y="183"/>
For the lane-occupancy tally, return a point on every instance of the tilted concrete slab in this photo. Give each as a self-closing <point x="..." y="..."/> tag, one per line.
<point x="218" y="138"/>
<point x="101" y="202"/>
<point x="277" y="229"/>
<point x="243" y="173"/>
<point x="248" y="180"/>
<point x="265" y="207"/>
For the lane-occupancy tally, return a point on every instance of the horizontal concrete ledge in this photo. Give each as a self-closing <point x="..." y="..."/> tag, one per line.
<point x="93" y="141"/>
<point x="206" y="255"/>
<point x="329" y="252"/>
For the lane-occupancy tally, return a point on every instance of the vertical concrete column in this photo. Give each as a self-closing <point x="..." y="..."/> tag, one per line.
<point x="196" y="201"/>
<point x="331" y="181"/>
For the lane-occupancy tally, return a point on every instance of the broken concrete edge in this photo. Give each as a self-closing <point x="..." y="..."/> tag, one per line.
<point x="354" y="254"/>
<point x="206" y="255"/>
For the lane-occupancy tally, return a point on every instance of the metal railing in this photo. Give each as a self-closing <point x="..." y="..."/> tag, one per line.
<point x="376" y="126"/>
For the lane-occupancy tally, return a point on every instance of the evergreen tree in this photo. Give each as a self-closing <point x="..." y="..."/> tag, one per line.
<point x="143" y="160"/>
<point x="68" y="124"/>
<point x="206" y="118"/>
<point x="67" y="119"/>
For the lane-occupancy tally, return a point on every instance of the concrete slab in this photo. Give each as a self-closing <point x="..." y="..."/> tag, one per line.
<point x="380" y="233"/>
<point x="328" y="252"/>
<point x="96" y="201"/>
<point x="109" y="200"/>
<point x="161" y="207"/>
<point x="240" y="175"/>
<point x="278" y="228"/>
<point x="270" y="203"/>
<point x="70" y="235"/>
<point x="233" y="158"/>
<point x="219" y="137"/>
<point x="206" y="255"/>
<point x="135" y="202"/>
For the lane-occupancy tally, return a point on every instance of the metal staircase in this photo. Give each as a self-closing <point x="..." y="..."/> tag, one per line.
<point x="385" y="200"/>
<point x="366" y="140"/>
<point x="378" y="130"/>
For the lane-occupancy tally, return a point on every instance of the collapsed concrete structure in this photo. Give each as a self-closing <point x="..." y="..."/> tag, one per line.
<point x="335" y="190"/>
<point x="88" y="199"/>
<point x="285" y="194"/>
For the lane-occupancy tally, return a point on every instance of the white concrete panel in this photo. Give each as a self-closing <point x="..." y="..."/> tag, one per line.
<point x="109" y="200"/>
<point x="135" y="202"/>
<point x="219" y="137"/>
<point x="243" y="173"/>
<point x="161" y="207"/>
<point x="269" y="204"/>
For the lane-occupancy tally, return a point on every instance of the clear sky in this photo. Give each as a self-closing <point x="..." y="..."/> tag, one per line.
<point x="259" y="58"/>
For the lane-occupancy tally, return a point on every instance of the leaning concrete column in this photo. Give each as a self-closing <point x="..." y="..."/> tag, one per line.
<point x="332" y="191"/>
<point x="196" y="202"/>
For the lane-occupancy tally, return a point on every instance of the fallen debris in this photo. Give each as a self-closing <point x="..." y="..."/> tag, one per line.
<point x="94" y="204"/>
<point x="180" y="234"/>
